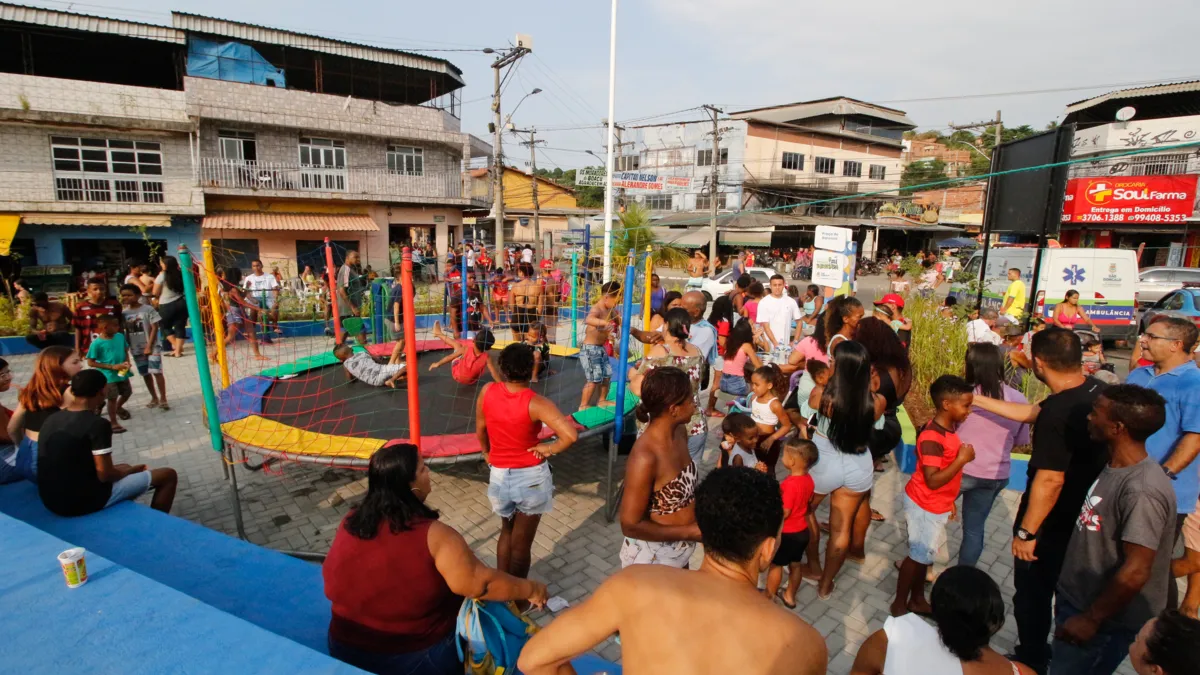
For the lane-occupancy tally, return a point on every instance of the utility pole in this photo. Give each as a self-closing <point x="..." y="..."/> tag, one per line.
<point x="999" y="128"/>
<point x="713" y="188"/>
<point x="500" y="63"/>
<point x="997" y="124"/>
<point x="608" y="183"/>
<point x="537" y="221"/>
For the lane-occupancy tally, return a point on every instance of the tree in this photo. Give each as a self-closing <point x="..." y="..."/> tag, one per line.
<point x="635" y="234"/>
<point x="919" y="173"/>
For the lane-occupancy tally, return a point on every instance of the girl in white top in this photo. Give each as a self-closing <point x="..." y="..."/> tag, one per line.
<point x="768" y="385"/>
<point x="967" y="611"/>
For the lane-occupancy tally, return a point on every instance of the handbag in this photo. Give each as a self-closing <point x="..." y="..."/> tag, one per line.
<point x="491" y="636"/>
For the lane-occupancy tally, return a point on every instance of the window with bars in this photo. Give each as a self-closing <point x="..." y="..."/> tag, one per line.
<point x="323" y="163"/>
<point x="793" y="161"/>
<point x="659" y="202"/>
<point x="878" y="172"/>
<point x="106" y="170"/>
<point x="405" y="160"/>
<point x="852" y="169"/>
<point x="627" y="163"/>
<point x="704" y="202"/>
<point x="705" y="157"/>
<point x="1158" y="165"/>
<point x="824" y="165"/>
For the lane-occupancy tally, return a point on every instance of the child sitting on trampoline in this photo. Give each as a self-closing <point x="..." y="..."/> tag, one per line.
<point x="470" y="357"/>
<point x="363" y="367"/>
<point x="536" y="337"/>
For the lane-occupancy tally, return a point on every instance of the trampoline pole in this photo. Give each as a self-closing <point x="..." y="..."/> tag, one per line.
<point x="574" y="298"/>
<point x="462" y="309"/>
<point x="214" y="306"/>
<point x="333" y="293"/>
<point x="621" y="376"/>
<point x="212" y="413"/>
<point x="646" y="281"/>
<point x="410" y="347"/>
<point x="377" y="311"/>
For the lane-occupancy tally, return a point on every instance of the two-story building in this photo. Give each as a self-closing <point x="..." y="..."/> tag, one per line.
<point x="554" y="213"/>
<point x="126" y="139"/>
<point x="918" y="151"/>
<point x="1145" y="201"/>
<point x="830" y="161"/>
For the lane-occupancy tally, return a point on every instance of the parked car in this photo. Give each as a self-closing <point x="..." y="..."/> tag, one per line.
<point x="724" y="281"/>
<point x="1154" y="283"/>
<point x="1184" y="302"/>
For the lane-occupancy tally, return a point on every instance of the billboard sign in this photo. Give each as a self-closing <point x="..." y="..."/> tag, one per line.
<point x="628" y="180"/>
<point x="1130" y="199"/>
<point x="828" y="268"/>
<point x="832" y="238"/>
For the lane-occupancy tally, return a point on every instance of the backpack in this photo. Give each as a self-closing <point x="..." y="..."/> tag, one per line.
<point x="491" y="636"/>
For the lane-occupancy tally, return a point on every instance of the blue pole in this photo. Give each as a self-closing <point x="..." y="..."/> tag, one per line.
<point x="587" y="265"/>
<point x="377" y="311"/>
<point x="621" y="376"/>
<point x="462" y="310"/>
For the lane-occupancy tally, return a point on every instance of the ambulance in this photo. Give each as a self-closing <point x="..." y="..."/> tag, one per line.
<point x="1106" y="279"/>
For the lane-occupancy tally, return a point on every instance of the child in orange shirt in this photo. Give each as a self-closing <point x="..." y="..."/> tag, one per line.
<point x="470" y="357"/>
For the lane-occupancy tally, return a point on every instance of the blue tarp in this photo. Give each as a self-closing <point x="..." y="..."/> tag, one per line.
<point x="232" y="62"/>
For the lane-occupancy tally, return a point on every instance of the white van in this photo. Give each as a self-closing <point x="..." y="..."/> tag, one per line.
<point x="1106" y="279"/>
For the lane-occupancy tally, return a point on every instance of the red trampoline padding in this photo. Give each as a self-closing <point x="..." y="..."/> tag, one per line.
<point x="385" y="348"/>
<point x="449" y="445"/>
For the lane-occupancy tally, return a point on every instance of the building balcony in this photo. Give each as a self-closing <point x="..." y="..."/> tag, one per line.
<point x="377" y="184"/>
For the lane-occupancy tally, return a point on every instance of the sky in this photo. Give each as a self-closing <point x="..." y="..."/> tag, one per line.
<point x="942" y="61"/>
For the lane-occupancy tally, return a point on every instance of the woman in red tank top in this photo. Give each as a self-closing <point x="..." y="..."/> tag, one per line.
<point x="508" y="421"/>
<point x="397" y="577"/>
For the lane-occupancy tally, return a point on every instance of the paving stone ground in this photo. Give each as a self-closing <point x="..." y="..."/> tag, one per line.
<point x="298" y="507"/>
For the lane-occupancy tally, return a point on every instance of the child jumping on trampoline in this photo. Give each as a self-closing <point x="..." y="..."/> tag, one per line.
<point x="536" y="337"/>
<point x="397" y="295"/>
<point x="363" y="367"/>
<point x="470" y="357"/>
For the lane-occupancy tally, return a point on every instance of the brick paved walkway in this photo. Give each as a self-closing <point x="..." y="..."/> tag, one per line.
<point x="298" y="507"/>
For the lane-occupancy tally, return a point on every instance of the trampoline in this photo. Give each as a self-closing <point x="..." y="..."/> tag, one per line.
<point x="309" y="410"/>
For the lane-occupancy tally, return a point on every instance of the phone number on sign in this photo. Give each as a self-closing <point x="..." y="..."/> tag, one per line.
<point x="1132" y="218"/>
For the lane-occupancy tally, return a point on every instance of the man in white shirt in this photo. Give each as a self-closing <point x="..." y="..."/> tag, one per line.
<point x="264" y="292"/>
<point x="776" y="312"/>
<point x="527" y="254"/>
<point x="980" y="330"/>
<point x="470" y="258"/>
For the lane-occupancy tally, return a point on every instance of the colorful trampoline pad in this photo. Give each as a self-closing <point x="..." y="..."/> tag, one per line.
<point x="555" y="349"/>
<point x="259" y="432"/>
<point x="243" y="398"/>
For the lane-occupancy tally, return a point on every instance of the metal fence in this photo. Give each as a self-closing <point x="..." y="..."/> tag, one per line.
<point x="215" y="172"/>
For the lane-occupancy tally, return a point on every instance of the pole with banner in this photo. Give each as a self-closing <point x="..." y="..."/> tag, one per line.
<point x="833" y="260"/>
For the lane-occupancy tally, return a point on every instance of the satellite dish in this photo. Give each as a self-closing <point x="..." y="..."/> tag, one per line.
<point x="1125" y="114"/>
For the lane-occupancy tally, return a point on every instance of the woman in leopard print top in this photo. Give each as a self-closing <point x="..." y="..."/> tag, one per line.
<point x="658" y="514"/>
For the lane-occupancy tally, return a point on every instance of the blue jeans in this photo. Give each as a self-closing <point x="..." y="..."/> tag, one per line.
<point x="8" y="465"/>
<point x="26" y="459"/>
<point x="978" y="496"/>
<point x="440" y="659"/>
<point x="1101" y="656"/>
<point x="696" y="447"/>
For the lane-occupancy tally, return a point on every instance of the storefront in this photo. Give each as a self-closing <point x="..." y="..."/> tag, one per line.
<point x="1155" y="215"/>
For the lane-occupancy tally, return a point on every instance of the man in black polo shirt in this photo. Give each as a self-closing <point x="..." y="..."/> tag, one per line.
<point x="1063" y="464"/>
<point x="76" y="474"/>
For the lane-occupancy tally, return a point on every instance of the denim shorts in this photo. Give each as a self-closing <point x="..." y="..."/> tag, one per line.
<point x="596" y="366"/>
<point x="926" y="531"/>
<point x="734" y="385"/>
<point x="148" y="365"/>
<point x="529" y="490"/>
<point x="836" y="469"/>
<point x="129" y="488"/>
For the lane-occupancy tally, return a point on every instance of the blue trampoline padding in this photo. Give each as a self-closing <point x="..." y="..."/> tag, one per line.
<point x="243" y="398"/>
<point x="123" y="622"/>
<point x="594" y="665"/>
<point x="281" y="594"/>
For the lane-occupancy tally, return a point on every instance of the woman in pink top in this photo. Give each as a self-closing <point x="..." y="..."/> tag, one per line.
<point x="508" y="420"/>
<point x="993" y="437"/>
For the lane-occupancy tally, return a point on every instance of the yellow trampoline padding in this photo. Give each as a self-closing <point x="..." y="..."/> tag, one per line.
<point x="267" y="434"/>
<point x="555" y="349"/>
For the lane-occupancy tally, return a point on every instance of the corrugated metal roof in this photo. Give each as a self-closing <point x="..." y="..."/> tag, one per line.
<point x="89" y="219"/>
<point x="92" y="24"/>
<point x="263" y="34"/>
<point x="793" y="112"/>
<point x="299" y="222"/>
<point x="1136" y="92"/>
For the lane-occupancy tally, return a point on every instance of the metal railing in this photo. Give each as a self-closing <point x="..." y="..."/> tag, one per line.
<point x="214" y="172"/>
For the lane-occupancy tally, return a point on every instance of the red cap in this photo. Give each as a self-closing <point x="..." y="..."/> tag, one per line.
<point x="547" y="265"/>
<point x="891" y="299"/>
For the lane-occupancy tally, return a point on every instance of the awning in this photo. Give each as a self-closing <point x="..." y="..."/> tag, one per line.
<point x="744" y="238"/>
<point x="681" y="237"/>
<point x="308" y="222"/>
<point x="95" y="219"/>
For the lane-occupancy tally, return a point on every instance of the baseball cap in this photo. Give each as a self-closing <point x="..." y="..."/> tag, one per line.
<point x="547" y="264"/>
<point x="891" y="299"/>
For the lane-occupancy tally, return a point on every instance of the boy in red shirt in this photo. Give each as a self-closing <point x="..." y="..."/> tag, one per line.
<point x="88" y="313"/>
<point x="930" y="493"/>
<point x="797" y="489"/>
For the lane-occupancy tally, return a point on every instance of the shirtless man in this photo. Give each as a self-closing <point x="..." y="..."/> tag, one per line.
<point x="49" y="323"/>
<point x="662" y="613"/>
<point x="696" y="267"/>
<point x="526" y="301"/>
<point x="600" y="325"/>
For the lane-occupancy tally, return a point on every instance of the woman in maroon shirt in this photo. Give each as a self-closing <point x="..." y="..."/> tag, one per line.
<point x="397" y="577"/>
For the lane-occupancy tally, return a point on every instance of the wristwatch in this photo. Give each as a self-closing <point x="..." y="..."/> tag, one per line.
<point x="1025" y="535"/>
<point x="1170" y="474"/>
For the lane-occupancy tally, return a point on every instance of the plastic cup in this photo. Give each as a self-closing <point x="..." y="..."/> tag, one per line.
<point x="74" y="567"/>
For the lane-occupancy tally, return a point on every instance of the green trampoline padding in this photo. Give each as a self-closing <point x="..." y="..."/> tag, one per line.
<point x="594" y="417"/>
<point x="305" y="364"/>
<point x="908" y="433"/>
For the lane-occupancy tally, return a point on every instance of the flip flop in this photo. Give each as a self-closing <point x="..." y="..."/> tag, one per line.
<point x="118" y="429"/>
<point x="164" y="406"/>
<point x="152" y="404"/>
<point x="877" y="517"/>
<point x="785" y="602"/>
<point x="123" y="413"/>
